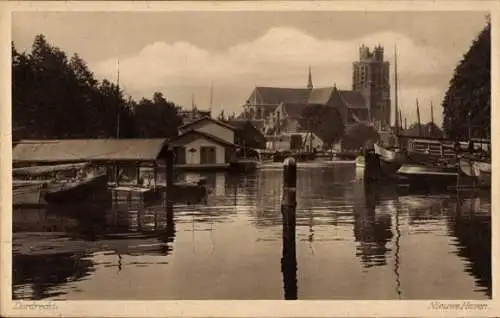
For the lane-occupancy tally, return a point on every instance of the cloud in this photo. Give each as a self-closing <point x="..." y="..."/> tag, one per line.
<point x="280" y="57"/>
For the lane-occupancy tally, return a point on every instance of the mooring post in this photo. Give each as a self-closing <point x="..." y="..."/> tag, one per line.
<point x="169" y="176"/>
<point x="288" y="211"/>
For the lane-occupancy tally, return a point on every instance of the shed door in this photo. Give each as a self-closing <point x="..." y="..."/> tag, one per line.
<point x="207" y="155"/>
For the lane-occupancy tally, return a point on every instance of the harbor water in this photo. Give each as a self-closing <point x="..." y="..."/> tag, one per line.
<point x="353" y="241"/>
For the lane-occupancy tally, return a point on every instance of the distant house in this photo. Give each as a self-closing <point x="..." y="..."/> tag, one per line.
<point x="197" y="148"/>
<point x="247" y="135"/>
<point x="297" y="141"/>
<point x="286" y="117"/>
<point x="212" y="127"/>
<point x="190" y="115"/>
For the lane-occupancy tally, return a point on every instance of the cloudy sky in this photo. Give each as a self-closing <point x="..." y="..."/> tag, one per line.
<point x="181" y="53"/>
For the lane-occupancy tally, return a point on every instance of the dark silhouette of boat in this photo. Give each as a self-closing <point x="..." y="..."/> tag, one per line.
<point x="61" y="183"/>
<point x="90" y="187"/>
<point x="478" y="169"/>
<point x="391" y="159"/>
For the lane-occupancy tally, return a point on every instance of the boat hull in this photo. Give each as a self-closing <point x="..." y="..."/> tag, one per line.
<point x="85" y="190"/>
<point x="478" y="170"/>
<point x="390" y="160"/>
<point x="427" y="177"/>
<point x="28" y="195"/>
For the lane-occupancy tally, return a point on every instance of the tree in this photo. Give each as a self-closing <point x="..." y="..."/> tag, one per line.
<point x="57" y="98"/>
<point x="358" y="135"/>
<point x="157" y="118"/>
<point x="324" y="121"/>
<point x="467" y="101"/>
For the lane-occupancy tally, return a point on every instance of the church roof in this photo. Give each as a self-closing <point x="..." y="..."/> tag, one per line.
<point x="294" y="110"/>
<point x="353" y="99"/>
<point x="320" y="95"/>
<point x="276" y="95"/>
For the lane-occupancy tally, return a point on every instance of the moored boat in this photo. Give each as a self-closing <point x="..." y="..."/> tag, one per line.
<point x="88" y="187"/>
<point x="62" y="183"/>
<point x="426" y="176"/>
<point x="391" y="159"/>
<point x="479" y="170"/>
<point x="29" y="194"/>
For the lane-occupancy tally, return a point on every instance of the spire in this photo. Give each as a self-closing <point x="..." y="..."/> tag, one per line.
<point x="309" y="82"/>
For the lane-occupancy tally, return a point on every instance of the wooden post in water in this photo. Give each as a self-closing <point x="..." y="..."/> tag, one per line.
<point x="169" y="176"/>
<point x="288" y="209"/>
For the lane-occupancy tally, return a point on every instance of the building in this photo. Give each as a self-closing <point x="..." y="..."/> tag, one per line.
<point x="190" y="115"/>
<point x="204" y="143"/>
<point x="197" y="149"/>
<point x="274" y="109"/>
<point x="370" y="77"/>
<point x="296" y="141"/>
<point x="247" y="135"/>
<point x="212" y="127"/>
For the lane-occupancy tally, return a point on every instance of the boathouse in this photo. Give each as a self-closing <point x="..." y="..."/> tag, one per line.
<point x="210" y="126"/>
<point x="127" y="156"/>
<point x="198" y="149"/>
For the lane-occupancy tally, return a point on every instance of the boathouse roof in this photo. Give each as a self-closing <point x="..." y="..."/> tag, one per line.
<point x="191" y="135"/>
<point x="188" y="126"/>
<point x="77" y="150"/>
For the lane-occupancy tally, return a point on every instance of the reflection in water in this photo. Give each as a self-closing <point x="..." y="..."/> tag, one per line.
<point x="396" y="254"/>
<point x="372" y="229"/>
<point x="40" y="276"/>
<point x="289" y="260"/>
<point x="401" y="242"/>
<point x="470" y="224"/>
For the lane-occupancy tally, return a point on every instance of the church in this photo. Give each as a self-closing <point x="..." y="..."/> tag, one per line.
<point x="368" y="100"/>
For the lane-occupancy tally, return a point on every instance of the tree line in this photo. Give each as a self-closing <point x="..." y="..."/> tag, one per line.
<point x="467" y="101"/>
<point x="56" y="97"/>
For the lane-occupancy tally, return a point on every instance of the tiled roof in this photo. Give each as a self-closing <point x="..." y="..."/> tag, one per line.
<point x="320" y="96"/>
<point x="353" y="99"/>
<point x="72" y="150"/>
<point x="294" y="110"/>
<point x="186" y="126"/>
<point x="178" y="139"/>
<point x="276" y="95"/>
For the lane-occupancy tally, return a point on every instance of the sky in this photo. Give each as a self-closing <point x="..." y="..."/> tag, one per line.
<point x="183" y="54"/>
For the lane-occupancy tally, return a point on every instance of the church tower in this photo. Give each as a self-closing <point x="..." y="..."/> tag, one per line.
<point x="370" y="77"/>
<point x="310" y="82"/>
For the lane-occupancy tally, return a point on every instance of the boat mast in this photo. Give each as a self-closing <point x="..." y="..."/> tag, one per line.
<point x="400" y="119"/>
<point x="118" y="108"/>
<point x="432" y="119"/>
<point x="396" y="106"/>
<point x="418" y="119"/>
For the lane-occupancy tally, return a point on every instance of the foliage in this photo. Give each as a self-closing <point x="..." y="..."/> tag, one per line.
<point x="324" y="121"/>
<point x="57" y="97"/>
<point x="358" y="135"/>
<point x="157" y="118"/>
<point x="469" y="92"/>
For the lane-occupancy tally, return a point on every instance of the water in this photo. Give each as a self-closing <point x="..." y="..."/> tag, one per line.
<point x="352" y="242"/>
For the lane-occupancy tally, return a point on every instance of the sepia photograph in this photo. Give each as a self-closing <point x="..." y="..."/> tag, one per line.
<point x="280" y="155"/>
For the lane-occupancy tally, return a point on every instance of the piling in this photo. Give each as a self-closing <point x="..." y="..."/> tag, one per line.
<point x="169" y="176"/>
<point x="169" y="182"/>
<point x="288" y="211"/>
